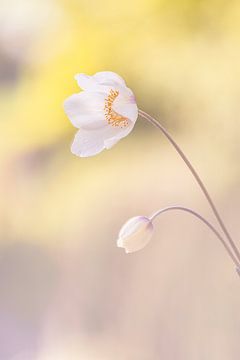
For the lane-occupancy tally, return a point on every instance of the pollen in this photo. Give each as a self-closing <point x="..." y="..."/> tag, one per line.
<point x="112" y="117"/>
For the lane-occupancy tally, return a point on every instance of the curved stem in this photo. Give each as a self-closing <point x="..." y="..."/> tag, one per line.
<point x="196" y="176"/>
<point x="209" y="225"/>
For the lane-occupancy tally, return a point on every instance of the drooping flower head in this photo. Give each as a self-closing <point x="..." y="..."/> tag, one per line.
<point x="135" y="234"/>
<point x="104" y="112"/>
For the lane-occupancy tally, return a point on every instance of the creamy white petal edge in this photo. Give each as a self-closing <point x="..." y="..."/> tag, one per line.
<point x="86" y="111"/>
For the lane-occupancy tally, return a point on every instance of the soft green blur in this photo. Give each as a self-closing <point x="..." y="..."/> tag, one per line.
<point x="67" y="292"/>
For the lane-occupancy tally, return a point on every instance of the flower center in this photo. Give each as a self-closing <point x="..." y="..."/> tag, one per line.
<point x="112" y="117"/>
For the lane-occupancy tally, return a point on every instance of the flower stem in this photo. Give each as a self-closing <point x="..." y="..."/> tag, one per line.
<point x="210" y="226"/>
<point x="196" y="176"/>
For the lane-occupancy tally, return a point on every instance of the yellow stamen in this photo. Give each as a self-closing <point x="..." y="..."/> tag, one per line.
<point x="112" y="117"/>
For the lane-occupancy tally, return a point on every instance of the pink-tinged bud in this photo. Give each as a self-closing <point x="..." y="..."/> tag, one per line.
<point x="135" y="234"/>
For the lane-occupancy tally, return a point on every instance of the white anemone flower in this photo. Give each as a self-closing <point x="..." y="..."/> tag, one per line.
<point x="104" y="112"/>
<point x="135" y="234"/>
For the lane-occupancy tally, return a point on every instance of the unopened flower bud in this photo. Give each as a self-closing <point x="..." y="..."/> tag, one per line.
<point x="135" y="234"/>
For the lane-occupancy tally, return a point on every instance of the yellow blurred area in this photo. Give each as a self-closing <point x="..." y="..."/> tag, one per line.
<point x="67" y="291"/>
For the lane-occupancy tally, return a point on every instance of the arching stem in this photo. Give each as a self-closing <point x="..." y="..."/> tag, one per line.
<point x="207" y="223"/>
<point x="197" y="178"/>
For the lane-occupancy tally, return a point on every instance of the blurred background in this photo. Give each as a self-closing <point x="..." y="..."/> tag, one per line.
<point x="67" y="292"/>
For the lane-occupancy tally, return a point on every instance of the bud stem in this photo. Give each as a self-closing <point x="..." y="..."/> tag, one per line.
<point x="206" y="222"/>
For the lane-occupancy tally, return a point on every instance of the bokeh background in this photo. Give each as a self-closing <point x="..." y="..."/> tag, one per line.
<point x="66" y="291"/>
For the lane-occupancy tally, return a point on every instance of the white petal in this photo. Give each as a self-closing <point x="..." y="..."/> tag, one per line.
<point x="86" y="109"/>
<point x="123" y="132"/>
<point x="132" y="225"/>
<point x="85" y="82"/>
<point x="108" y="78"/>
<point x="100" y="79"/>
<point x="91" y="142"/>
<point x="87" y="143"/>
<point x="125" y="104"/>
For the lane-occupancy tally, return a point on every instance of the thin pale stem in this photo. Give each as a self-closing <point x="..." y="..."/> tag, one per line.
<point x="206" y="222"/>
<point x="197" y="178"/>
